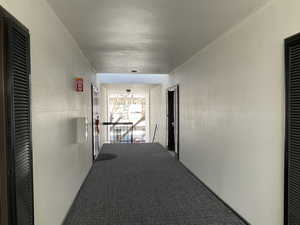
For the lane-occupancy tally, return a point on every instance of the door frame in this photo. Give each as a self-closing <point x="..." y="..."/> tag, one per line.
<point x="175" y="89"/>
<point x="288" y="42"/>
<point x="94" y="112"/>
<point x="7" y="201"/>
<point x="4" y="192"/>
<point x="92" y="122"/>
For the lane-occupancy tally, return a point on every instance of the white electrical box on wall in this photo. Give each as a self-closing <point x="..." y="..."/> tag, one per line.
<point x="82" y="130"/>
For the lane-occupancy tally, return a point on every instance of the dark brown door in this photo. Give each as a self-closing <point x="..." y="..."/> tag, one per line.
<point x="16" y="140"/>
<point x="4" y="212"/>
<point x="171" y="120"/>
<point x="292" y="142"/>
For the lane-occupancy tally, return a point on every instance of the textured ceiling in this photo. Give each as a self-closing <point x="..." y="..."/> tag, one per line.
<point x="151" y="36"/>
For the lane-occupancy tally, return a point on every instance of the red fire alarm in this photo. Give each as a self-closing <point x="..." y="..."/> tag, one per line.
<point x="79" y="84"/>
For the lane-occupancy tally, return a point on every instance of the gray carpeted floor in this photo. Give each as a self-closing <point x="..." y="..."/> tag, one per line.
<point x="145" y="185"/>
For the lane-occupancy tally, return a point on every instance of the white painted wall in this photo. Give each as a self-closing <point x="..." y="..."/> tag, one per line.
<point x="158" y="113"/>
<point x="232" y="112"/>
<point x="60" y="164"/>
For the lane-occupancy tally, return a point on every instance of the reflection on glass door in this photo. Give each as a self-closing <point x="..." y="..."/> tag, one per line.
<point x="95" y="121"/>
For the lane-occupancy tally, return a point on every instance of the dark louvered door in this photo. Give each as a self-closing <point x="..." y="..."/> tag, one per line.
<point x="292" y="163"/>
<point x="18" y="59"/>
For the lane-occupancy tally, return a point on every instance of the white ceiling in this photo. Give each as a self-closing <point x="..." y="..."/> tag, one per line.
<point x="151" y="36"/>
<point x="117" y="78"/>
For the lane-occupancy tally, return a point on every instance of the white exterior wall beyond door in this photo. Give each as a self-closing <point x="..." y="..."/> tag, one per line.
<point x="107" y="89"/>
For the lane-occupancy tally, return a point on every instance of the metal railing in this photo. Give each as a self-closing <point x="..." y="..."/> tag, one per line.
<point x="119" y="132"/>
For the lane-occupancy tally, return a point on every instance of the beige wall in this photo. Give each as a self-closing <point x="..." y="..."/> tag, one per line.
<point x="232" y="112"/>
<point x="60" y="164"/>
<point x="158" y="113"/>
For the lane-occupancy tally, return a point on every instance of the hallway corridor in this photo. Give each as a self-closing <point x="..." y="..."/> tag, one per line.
<point x="145" y="185"/>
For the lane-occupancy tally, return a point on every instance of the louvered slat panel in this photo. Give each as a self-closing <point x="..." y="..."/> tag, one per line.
<point x="19" y="72"/>
<point x="292" y="201"/>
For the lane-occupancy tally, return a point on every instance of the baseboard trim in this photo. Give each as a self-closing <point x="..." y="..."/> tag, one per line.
<point x="217" y="196"/>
